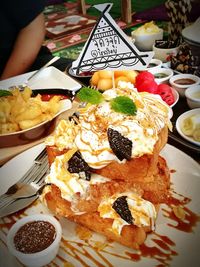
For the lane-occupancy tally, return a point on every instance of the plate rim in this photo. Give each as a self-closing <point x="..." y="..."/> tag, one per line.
<point x="180" y="119"/>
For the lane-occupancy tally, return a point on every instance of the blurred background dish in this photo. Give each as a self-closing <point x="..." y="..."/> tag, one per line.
<point x="52" y="78"/>
<point x="162" y="75"/>
<point x="181" y="82"/>
<point x="191" y="36"/>
<point x="192" y="32"/>
<point x="193" y="96"/>
<point x="145" y="36"/>
<point x="49" y="77"/>
<point x="154" y="63"/>
<point x="164" y="54"/>
<point x="84" y="77"/>
<point x="188" y="126"/>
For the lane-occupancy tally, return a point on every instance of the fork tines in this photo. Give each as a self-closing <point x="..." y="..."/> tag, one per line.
<point x="32" y="175"/>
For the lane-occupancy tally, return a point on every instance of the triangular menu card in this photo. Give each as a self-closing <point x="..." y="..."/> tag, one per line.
<point x="109" y="48"/>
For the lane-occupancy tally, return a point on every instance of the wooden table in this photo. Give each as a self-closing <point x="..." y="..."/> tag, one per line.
<point x="126" y="10"/>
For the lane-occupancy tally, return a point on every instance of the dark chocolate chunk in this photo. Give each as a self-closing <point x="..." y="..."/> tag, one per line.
<point x="120" y="145"/>
<point x="121" y="207"/>
<point x="77" y="164"/>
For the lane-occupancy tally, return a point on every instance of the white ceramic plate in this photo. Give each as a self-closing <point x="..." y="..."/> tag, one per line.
<point x="192" y="32"/>
<point x="179" y="122"/>
<point x="49" y="77"/>
<point x="185" y="179"/>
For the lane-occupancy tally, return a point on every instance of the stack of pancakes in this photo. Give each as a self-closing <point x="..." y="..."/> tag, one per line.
<point x="106" y="172"/>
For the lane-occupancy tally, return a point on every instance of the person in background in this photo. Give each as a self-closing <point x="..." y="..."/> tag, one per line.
<point x="22" y="33"/>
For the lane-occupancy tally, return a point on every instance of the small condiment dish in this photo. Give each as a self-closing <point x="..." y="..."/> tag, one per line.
<point x="181" y="82"/>
<point x="162" y="75"/>
<point x="42" y="257"/>
<point x="154" y="64"/>
<point x="193" y="96"/>
<point x="83" y="77"/>
<point x="164" y="54"/>
<point x="144" y="41"/>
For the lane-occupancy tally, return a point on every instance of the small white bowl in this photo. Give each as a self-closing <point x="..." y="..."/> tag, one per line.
<point x="145" y="42"/>
<point x="184" y="85"/>
<point x="164" y="53"/>
<point x="40" y="258"/>
<point x="165" y="74"/>
<point x="176" y="97"/>
<point x="154" y="64"/>
<point x="179" y="123"/>
<point x="193" y="96"/>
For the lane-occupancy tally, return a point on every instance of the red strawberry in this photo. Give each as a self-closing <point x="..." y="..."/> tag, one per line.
<point x="165" y="91"/>
<point x="143" y="76"/>
<point x="147" y="86"/>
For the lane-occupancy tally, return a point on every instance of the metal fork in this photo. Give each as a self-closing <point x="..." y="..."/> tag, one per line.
<point x="33" y="175"/>
<point x="28" y="190"/>
<point x="31" y="190"/>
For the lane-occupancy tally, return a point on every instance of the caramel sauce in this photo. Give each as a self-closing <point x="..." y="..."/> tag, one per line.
<point x="71" y="249"/>
<point x="156" y="252"/>
<point x="187" y="225"/>
<point x="162" y="248"/>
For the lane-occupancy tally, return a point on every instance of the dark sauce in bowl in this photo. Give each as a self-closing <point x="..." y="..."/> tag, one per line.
<point x="34" y="237"/>
<point x="151" y="65"/>
<point x="185" y="81"/>
<point x="160" y="75"/>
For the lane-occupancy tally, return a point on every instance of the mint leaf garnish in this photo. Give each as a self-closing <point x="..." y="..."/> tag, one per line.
<point x="5" y="92"/>
<point x="87" y="94"/>
<point x="123" y="104"/>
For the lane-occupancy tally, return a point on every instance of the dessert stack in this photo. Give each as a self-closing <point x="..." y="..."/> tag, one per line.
<point x="105" y="170"/>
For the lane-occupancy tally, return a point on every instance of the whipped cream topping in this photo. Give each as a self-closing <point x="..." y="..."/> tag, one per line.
<point x="90" y="135"/>
<point x="142" y="211"/>
<point x="70" y="184"/>
<point x="64" y="134"/>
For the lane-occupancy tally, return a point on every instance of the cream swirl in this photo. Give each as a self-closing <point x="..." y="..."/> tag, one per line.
<point x="142" y="129"/>
<point x="70" y="183"/>
<point x="143" y="212"/>
<point x="90" y="135"/>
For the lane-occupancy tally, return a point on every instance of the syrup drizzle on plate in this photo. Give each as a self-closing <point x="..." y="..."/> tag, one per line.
<point x="162" y="248"/>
